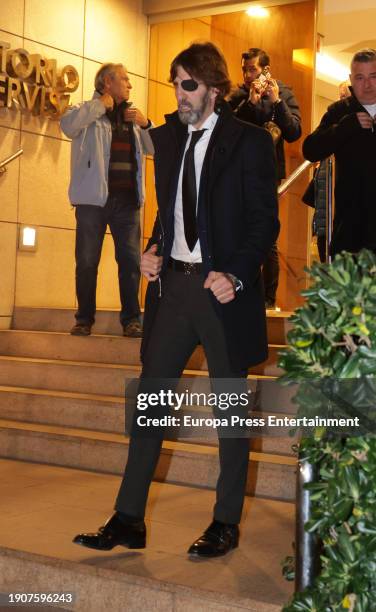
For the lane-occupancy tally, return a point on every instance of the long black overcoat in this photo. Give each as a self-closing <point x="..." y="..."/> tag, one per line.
<point x="354" y="147"/>
<point x="237" y="222"/>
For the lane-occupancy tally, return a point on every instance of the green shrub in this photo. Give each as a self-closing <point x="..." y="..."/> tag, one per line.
<point x="333" y="341"/>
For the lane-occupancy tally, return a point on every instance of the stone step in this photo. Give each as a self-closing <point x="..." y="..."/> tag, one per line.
<point x="271" y="476"/>
<point x="71" y="376"/>
<point x="77" y="376"/>
<point x="61" y="502"/>
<point x="81" y="377"/>
<point x="82" y="410"/>
<point x="100" y="349"/>
<point x="107" y="321"/>
<point x="106" y="414"/>
<point x="102" y="589"/>
<point x="57" y="345"/>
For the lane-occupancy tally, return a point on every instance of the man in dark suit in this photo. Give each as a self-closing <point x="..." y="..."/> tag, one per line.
<point x="215" y="180"/>
<point x="348" y="130"/>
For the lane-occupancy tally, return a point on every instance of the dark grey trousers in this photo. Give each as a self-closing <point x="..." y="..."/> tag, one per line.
<point x="124" y="222"/>
<point x="185" y="317"/>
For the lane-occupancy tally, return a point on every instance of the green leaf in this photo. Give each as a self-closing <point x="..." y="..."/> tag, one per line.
<point x="342" y="509"/>
<point x="325" y="296"/>
<point x="345" y="545"/>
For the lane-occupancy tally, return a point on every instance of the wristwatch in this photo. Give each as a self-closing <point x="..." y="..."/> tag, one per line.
<point x="238" y="285"/>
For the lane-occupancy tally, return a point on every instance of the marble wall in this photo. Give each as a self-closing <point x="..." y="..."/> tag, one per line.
<point x="83" y="33"/>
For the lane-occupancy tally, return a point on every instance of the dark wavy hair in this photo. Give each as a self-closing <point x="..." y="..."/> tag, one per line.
<point x="204" y="61"/>
<point x="263" y="57"/>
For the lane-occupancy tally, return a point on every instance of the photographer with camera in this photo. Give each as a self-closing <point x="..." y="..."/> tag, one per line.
<point x="269" y="103"/>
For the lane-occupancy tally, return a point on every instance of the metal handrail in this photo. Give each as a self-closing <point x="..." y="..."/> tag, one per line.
<point x="307" y="558"/>
<point x="9" y="159"/>
<point x="329" y="195"/>
<point x="306" y="544"/>
<point x="293" y="176"/>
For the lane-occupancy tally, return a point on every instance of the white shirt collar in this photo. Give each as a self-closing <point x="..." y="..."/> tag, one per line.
<point x="209" y="123"/>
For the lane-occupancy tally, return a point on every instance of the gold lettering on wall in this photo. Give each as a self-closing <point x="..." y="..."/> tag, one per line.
<point x="34" y="83"/>
<point x="3" y="55"/>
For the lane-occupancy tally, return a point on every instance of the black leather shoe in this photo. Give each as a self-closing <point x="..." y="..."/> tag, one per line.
<point x="133" y="329"/>
<point x="114" y="533"/>
<point x="80" y="329"/>
<point x="217" y="540"/>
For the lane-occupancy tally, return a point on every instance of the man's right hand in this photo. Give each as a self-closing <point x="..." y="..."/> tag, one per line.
<point x="151" y="263"/>
<point x="365" y="120"/>
<point x="254" y="94"/>
<point x="107" y="101"/>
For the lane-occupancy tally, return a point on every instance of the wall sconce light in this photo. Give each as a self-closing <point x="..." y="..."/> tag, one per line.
<point x="257" y="11"/>
<point x="27" y="238"/>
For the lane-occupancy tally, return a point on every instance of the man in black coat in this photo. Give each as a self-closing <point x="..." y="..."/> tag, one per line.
<point x="261" y="100"/>
<point x="348" y="131"/>
<point x="215" y="181"/>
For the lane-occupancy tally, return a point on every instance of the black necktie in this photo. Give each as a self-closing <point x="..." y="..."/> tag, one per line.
<point x="189" y="191"/>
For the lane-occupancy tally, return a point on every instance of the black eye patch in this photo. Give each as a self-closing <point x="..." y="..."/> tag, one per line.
<point x="189" y="85"/>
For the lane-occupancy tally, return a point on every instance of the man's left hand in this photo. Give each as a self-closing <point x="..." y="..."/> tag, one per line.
<point x="222" y="287"/>
<point x="272" y="90"/>
<point x="365" y="120"/>
<point x="135" y="116"/>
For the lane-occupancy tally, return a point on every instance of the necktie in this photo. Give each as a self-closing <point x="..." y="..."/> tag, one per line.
<point x="189" y="191"/>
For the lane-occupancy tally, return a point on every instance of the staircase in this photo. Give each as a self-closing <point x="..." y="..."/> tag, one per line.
<point x="62" y="404"/>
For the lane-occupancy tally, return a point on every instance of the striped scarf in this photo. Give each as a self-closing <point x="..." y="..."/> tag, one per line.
<point x="123" y="164"/>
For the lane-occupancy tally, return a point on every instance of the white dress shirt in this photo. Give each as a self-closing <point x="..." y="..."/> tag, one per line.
<point x="180" y="248"/>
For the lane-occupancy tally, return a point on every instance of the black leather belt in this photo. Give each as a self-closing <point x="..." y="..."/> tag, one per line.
<point x="185" y="266"/>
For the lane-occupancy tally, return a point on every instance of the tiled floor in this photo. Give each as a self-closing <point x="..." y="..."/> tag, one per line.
<point x="43" y="507"/>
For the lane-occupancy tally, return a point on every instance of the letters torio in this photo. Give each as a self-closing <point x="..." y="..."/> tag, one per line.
<point x="33" y="83"/>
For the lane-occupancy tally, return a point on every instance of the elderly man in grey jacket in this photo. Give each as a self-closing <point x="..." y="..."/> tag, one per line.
<point x="109" y="138"/>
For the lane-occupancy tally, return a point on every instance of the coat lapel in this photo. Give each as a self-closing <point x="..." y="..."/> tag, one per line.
<point x="221" y="147"/>
<point x="179" y="135"/>
<point x="169" y="140"/>
<point x="225" y="138"/>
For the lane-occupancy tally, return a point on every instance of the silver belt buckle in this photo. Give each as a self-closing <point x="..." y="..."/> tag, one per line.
<point x="188" y="267"/>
